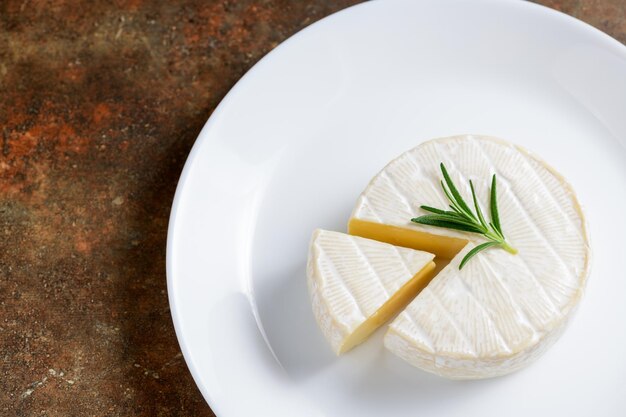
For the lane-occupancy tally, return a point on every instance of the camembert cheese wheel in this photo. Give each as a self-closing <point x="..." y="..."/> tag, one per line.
<point x="500" y="311"/>
<point x="357" y="284"/>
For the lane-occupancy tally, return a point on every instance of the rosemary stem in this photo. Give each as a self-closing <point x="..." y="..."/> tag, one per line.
<point x="508" y="248"/>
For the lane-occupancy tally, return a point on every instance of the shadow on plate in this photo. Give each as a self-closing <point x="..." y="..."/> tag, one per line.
<point x="287" y="320"/>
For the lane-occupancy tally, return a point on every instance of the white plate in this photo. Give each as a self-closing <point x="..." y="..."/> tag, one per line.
<point x="294" y="143"/>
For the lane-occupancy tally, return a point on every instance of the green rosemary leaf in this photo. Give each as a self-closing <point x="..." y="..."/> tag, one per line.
<point x="454" y="213"/>
<point x="455" y="193"/>
<point x="495" y="217"/>
<point x="446" y="222"/>
<point x="448" y="217"/>
<point x="478" y="211"/>
<point x="455" y="208"/>
<point x="474" y="251"/>
<point x="434" y="210"/>
<point x="453" y="204"/>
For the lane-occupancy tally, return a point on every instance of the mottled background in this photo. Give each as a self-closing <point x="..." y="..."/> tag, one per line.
<point x="100" y="102"/>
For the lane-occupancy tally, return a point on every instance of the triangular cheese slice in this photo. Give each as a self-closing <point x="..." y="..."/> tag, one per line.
<point x="357" y="284"/>
<point x="500" y="312"/>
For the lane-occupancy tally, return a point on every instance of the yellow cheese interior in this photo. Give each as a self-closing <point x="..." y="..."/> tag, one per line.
<point x="444" y="247"/>
<point x="394" y="305"/>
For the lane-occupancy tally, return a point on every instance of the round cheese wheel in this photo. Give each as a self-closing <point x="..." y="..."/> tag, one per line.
<point x="500" y="311"/>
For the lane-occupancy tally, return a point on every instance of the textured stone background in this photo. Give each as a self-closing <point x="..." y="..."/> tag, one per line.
<point x="100" y="102"/>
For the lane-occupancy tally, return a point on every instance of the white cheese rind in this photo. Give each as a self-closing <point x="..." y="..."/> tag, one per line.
<point x="500" y="311"/>
<point x="350" y="278"/>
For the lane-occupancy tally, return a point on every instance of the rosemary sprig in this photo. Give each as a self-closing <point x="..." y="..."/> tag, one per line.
<point x="461" y="217"/>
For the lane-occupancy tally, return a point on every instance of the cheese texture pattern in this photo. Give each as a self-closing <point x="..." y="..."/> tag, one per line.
<point x="501" y="311"/>
<point x="357" y="284"/>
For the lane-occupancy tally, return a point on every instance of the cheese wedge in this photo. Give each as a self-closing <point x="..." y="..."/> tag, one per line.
<point x="357" y="284"/>
<point x="501" y="311"/>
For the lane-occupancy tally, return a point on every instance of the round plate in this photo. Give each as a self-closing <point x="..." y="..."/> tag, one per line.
<point x="294" y="143"/>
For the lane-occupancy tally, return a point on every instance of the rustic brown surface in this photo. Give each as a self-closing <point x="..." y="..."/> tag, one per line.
<point x="607" y="15"/>
<point x="100" y="103"/>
